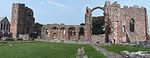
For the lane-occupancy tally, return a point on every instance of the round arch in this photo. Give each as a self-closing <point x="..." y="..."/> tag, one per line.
<point x="88" y="23"/>
<point x="101" y="8"/>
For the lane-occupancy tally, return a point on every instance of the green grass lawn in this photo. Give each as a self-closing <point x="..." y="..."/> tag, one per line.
<point x="119" y="48"/>
<point x="45" y="50"/>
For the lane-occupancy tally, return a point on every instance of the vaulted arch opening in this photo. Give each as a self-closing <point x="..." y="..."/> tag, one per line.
<point x="97" y="21"/>
<point x="54" y="33"/>
<point x="131" y="25"/>
<point x="62" y="32"/>
<point x="72" y="32"/>
<point x="92" y="25"/>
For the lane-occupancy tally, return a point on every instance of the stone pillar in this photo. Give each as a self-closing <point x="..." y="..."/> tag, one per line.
<point x="77" y="33"/>
<point x="66" y="34"/>
<point x="146" y="24"/>
<point x="49" y="34"/>
<point x="62" y="35"/>
<point x="107" y="29"/>
<point x="88" y="24"/>
<point x="59" y="33"/>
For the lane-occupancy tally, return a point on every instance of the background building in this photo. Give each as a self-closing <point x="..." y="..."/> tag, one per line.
<point x="4" y="27"/>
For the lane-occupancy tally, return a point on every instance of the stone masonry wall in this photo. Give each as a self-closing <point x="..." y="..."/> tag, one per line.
<point x="22" y="20"/>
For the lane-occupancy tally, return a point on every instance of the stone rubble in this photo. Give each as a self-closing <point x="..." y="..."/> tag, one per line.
<point x="81" y="53"/>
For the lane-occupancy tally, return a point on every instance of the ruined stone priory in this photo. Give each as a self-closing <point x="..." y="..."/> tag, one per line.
<point x="122" y="24"/>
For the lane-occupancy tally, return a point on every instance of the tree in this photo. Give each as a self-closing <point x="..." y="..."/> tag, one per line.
<point x="98" y="25"/>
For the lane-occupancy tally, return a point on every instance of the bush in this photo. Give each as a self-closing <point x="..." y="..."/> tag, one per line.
<point x="9" y="39"/>
<point x="31" y="39"/>
<point x="20" y="39"/>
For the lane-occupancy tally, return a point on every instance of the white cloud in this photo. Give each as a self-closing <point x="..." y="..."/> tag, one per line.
<point x="53" y="3"/>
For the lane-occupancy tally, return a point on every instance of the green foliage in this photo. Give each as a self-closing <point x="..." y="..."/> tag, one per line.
<point x="19" y="39"/>
<point x="119" y="48"/>
<point x="45" y="50"/>
<point x="98" y="25"/>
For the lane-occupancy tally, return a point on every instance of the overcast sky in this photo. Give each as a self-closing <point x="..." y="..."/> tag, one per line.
<point x="64" y="11"/>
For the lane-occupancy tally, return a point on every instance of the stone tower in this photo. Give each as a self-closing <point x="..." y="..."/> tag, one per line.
<point x="88" y="24"/>
<point x="127" y="24"/>
<point x="22" y="20"/>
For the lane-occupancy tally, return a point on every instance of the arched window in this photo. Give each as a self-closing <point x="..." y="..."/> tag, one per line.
<point x="63" y="31"/>
<point x="132" y="25"/>
<point x="81" y="31"/>
<point x="123" y="29"/>
<point x="46" y="31"/>
<point x="72" y="31"/>
<point x="54" y="28"/>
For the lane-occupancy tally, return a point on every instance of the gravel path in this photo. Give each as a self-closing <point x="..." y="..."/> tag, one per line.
<point x="107" y="53"/>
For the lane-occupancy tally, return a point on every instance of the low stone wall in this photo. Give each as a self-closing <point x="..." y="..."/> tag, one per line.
<point x="24" y="36"/>
<point x="17" y="41"/>
<point x="98" y="38"/>
<point x="145" y="44"/>
<point x="139" y="54"/>
<point x="64" y="41"/>
<point x="107" y="53"/>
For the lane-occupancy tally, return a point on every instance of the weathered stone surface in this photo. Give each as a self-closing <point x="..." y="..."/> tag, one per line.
<point x="107" y="53"/>
<point x="62" y="32"/>
<point x="81" y="53"/>
<point x="24" y="36"/>
<point x="139" y="54"/>
<point x="22" y="20"/>
<point x="119" y="22"/>
<point x="145" y="44"/>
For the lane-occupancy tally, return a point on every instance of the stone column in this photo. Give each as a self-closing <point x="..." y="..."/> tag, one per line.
<point x="59" y="33"/>
<point x="88" y="24"/>
<point x="49" y="34"/>
<point x="66" y="34"/>
<point x="146" y="24"/>
<point x="77" y="33"/>
<point x="107" y="28"/>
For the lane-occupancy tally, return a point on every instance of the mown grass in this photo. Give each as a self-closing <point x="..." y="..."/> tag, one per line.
<point x="45" y="50"/>
<point x="119" y="48"/>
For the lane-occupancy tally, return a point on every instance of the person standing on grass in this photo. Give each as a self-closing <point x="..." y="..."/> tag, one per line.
<point x="110" y="40"/>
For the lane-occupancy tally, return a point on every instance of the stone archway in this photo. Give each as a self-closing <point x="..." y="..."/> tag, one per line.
<point x="72" y="33"/>
<point x="88" y="23"/>
<point x="54" y="33"/>
<point x="62" y="32"/>
<point x="81" y="33"/>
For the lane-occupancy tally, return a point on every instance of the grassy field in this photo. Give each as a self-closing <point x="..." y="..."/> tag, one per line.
<point x="119" y="48"/>
<point x="45" y="50"/>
